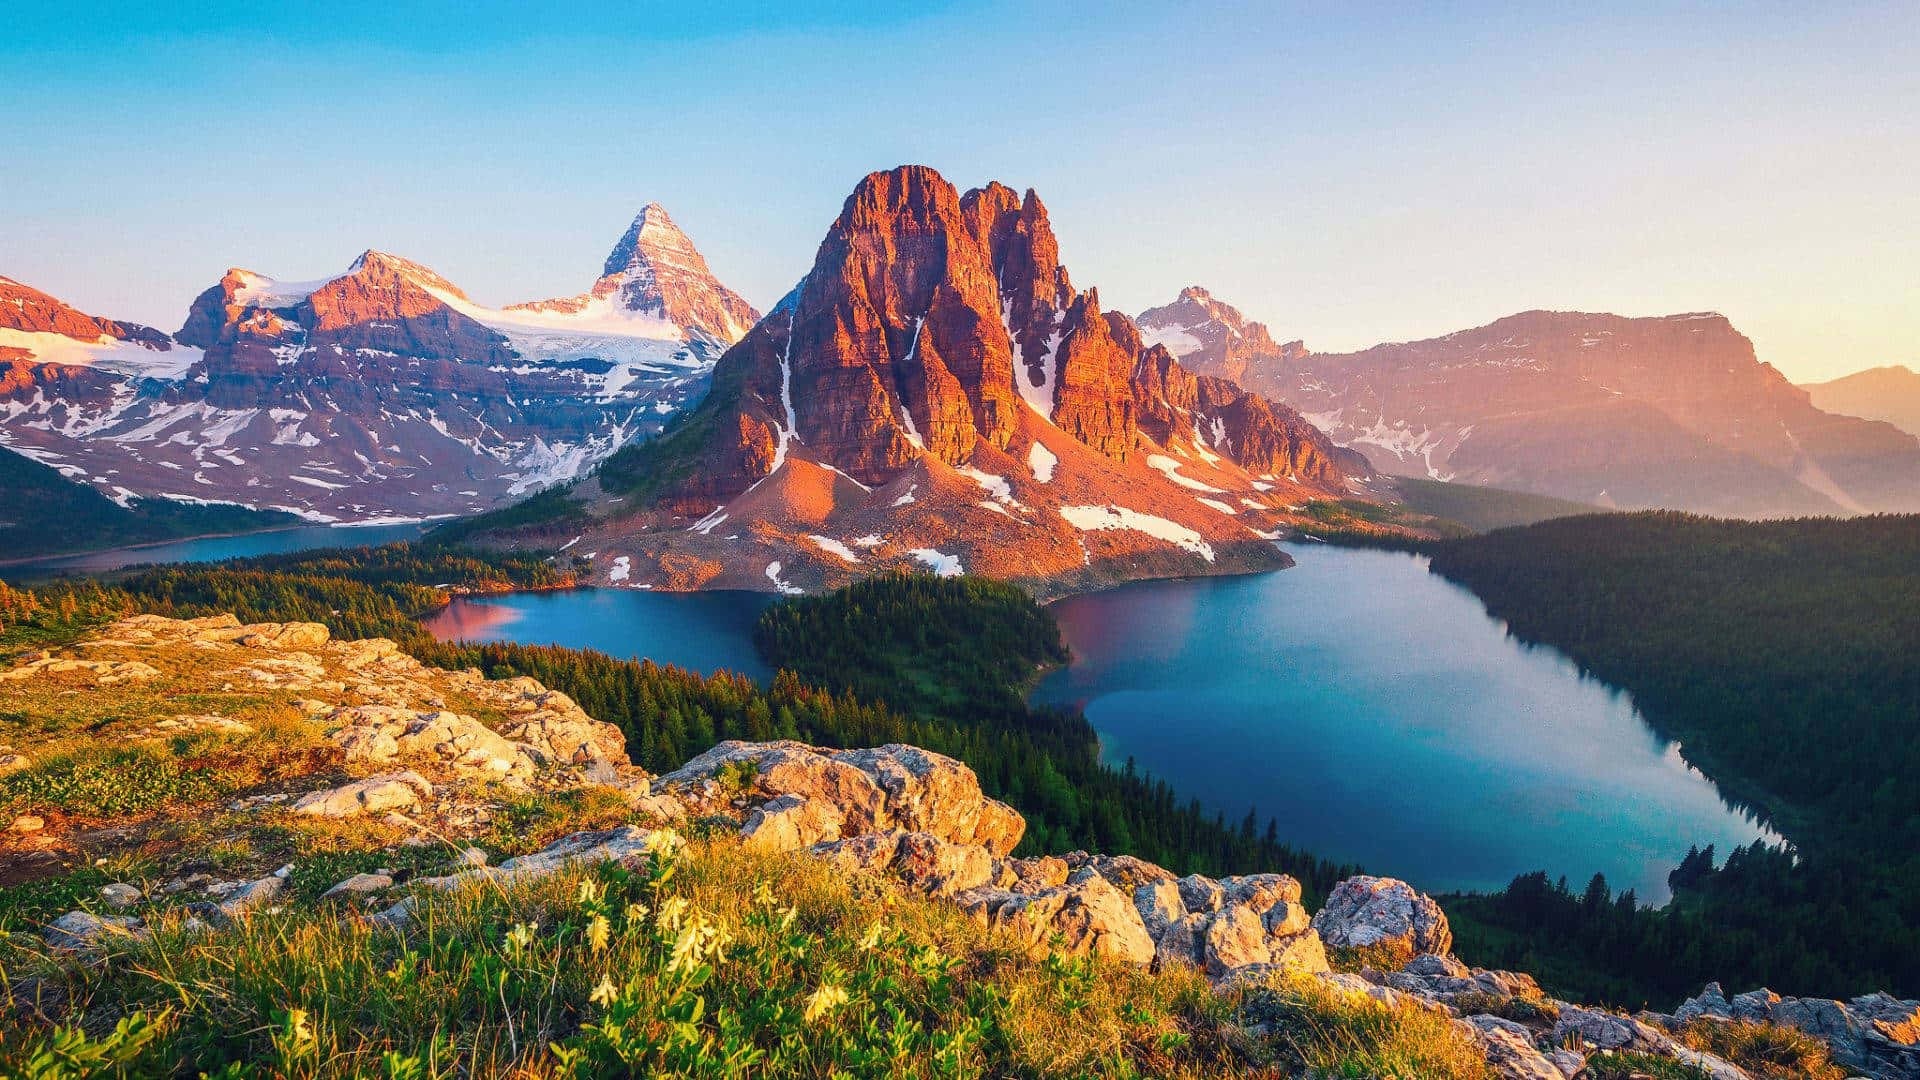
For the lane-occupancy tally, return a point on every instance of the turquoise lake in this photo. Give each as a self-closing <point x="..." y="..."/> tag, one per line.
<point x="1380" y="716"/>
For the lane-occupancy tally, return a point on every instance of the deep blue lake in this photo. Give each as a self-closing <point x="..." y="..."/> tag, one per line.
<point x="1380" y="716"/>
<point x="214" y="549"/>
<point x="703" y="631"/>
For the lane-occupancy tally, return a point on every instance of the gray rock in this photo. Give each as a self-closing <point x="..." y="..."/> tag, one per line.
<point x="252" y="896"/>
<point x="120" y="895"/>
<point x="388" y="791"/>
<point x="358" y="887"/>
<point x="1366" y="911"/>
<point x="1510" y="1050"/>
<point x="84" y="929"/>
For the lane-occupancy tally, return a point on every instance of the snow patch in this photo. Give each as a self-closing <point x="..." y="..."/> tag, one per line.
<point x="1097" y="518"/>
<point x="1041" y="461"/>
<point x="1171" y="470"/>
<point x="939" y="562"/>
<point x="834" y="547"/>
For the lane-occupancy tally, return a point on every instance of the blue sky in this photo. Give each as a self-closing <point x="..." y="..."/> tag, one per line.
<point x="1347" y="173"/>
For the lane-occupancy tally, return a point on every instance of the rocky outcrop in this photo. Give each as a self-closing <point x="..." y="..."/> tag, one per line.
<point x="1370" y="912"/>
<point x="1876" y="1034"/>
<point x="31" y="311"/>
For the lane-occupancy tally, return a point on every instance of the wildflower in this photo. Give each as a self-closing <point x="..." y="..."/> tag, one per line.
<point x="872" y="938"/>
<point x="636" y="913"/>
<point x="823" y="1001"/>
<point x="603" y="993"/>
<point x="598" y="931"/>
<point x="521" y="935"/>
<point x="664" y="842"/>
<point x="671" y="913"/>
<point x="763" y="893"/>
<point x="590" y="891"/>
<point x="298" y="1029"/>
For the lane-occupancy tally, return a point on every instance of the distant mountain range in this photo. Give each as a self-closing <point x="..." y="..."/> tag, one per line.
<point x="1672" y="412"/>
<point x="936" y="394"/>
<point x="380" y="392"/>
<point x="1889" y="393"/>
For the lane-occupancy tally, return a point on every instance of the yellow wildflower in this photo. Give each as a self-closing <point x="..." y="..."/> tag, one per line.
<point x="598" y="931"/>
<point x="823" y="1001"/>
<point x="603" y="993"/>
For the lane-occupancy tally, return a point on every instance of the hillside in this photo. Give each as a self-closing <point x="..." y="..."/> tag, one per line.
<point x="1890" y="393"/>
<point x="44" y="513"/>
<point x="1480" y="508"/>
<point x="472" y="874"/>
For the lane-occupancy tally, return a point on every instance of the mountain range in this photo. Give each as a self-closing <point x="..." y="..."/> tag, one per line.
<point x="1674" y="412"/>
<point x="937" y="394"/>
<point x="382" y="392"/>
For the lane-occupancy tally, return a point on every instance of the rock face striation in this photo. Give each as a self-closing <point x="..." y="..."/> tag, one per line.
<point x="1673" y="412"/>
<point x="380" y="392"/>
<point x="936" y="392"/>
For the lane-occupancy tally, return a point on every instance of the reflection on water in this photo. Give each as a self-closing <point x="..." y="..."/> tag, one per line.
<point x="1379" y="715"/>
<point x="704" y="632"/>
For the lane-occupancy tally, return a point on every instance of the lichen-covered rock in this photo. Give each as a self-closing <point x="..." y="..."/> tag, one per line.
<point x="1509" y="1047"/>
<point x="1085" y="916"/>
<point x="792" y="822"/>
<point x="922" y="861"/>
<point x="358" y="887"/>
<point x="1367" y="911"/>
<point x="389" y="791"/>
<point x="284" y="636"/>
<point x="882" y="789"/>
<point x="119" y="894"/>
<point x="1876" y="1034"/>
<point x="83" y="929"/>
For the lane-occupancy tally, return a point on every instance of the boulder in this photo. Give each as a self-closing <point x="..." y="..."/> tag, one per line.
<point x="1511" y="1054"/>
<point x="358" y="887"/>
<point x="1084" y="916"/>
<point x="1363" y="912"/>
<point x="120" y="895"/>
<point x="84" y="929"/>
<point x="252" y="896"/>
<point x="13" y="763"/>
<point x="1603" y="1030"/>
<point x="284" y="636"/>
<point x="389" y="791"/>
<point x="792" y="822"/>
<point x="923" y="861"/>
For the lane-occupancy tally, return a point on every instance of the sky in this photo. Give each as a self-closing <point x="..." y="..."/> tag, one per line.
<point x="1348" y="174"/>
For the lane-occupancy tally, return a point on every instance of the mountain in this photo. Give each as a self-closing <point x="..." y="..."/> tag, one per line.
<point x="1672" y="412"/>
<point x="936" y="393"/>
<point x="381" y="392"/>
<point x="1891" y="394"/>
<point x="1213" y="336"/>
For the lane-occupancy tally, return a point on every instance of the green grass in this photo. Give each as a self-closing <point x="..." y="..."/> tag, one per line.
<point x="110" y="782"/>
<point x="1633" y="1065"/>
<point x="1767" y="1051"/>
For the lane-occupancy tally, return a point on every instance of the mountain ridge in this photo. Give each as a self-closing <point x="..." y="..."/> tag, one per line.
<point x="1670" y="411"/>
<point x="382" y="392"/>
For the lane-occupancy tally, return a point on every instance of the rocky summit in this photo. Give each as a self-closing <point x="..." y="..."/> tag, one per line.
<point x="382" y="392"/>
<point x="936" y="393"/>
<point x="1673" y="412"/>
<point x="424" y="764"/>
